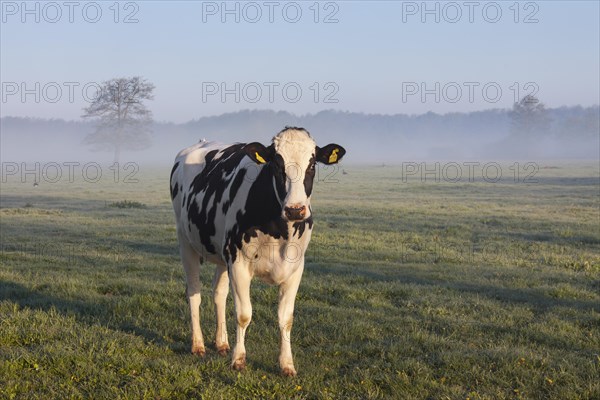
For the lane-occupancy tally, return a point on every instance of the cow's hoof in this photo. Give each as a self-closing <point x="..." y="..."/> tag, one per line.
<point x="223" y="350"/>
<point x="200" y="351"/>
<point x="288" y="371"/>
<point x="239" y="364"/>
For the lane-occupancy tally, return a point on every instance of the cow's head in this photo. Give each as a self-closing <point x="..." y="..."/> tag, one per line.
<point x="292" y="157"/>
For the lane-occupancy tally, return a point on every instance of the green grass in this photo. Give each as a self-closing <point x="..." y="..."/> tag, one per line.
<point x="411" y="290"/>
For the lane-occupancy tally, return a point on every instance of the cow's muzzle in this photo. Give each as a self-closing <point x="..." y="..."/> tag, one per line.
<point x="295" y="213"/>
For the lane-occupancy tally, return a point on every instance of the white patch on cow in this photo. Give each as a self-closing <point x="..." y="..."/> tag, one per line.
<point x="296" y="147"/>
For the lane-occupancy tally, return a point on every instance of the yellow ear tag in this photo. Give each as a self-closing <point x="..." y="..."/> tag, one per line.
<point x="259" y="158"/>
<point x="333" y="156"/>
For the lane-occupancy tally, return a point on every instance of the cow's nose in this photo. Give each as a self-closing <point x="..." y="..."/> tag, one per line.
<point x="295" y="213"/>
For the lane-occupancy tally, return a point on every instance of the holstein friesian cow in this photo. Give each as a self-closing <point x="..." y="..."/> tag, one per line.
<point x="246" y="208"/>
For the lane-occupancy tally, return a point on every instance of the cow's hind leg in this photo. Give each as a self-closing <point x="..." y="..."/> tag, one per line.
<point x="191" y="264"/>
<point x="220" y="291"/>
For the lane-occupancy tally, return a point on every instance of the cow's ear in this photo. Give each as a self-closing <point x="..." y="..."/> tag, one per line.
<point x="330" y="154"/>
<point x="258" y="153"/>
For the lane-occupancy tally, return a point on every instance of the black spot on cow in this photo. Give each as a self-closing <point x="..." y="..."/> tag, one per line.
<point x="211" y="185"/>
<point x="173" y="171"/>
<point x="174" y="191"/>
<point x="300" y="226"/>
<point x="205" y="230"/>
<point x="309" y="176"/>
<point x="277" y="169"/>
<point x="226" y="205"/>
<point x="173" y="185"/>
<point x="237" y="182"/>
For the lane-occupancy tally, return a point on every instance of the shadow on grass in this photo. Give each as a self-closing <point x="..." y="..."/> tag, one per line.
<point x="148" y="247"/>
<point x="412" y="285"/>
<point x="587" y="181"/>
<point x="99" y="313"/>
<point x="405" y="275"/>
<point x="533" y="239"/>
<point x="85" y="312"/>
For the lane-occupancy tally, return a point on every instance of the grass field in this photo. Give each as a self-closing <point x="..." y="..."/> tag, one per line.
<point x="412" y="289"/>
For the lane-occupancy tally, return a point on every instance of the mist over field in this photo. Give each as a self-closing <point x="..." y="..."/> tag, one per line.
<point x="241" y="71"/>
<point x="572" y="133"/>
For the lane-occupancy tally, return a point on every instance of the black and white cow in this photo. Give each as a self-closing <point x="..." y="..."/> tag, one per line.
<point x="246" y="208"/>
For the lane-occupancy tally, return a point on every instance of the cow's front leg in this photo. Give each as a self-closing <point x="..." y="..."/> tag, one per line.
<point x="287" y="297"/>
<point x="240" y="283"/>
<point x="220" y="291"/>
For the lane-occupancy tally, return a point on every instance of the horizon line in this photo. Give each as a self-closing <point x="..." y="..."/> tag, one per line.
<point x="308" y="114"/>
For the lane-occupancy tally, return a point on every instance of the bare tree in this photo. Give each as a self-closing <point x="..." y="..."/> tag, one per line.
<point x="529" y="117"/>
<point x="123" y="120"/>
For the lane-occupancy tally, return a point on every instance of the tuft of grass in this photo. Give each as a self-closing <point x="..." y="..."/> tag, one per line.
<point x="127" y="204"/>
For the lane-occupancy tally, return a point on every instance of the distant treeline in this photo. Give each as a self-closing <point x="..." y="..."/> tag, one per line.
<point x="568" y="133"/>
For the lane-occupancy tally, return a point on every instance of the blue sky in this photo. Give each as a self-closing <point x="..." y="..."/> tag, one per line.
<point x="377" y="58"/>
